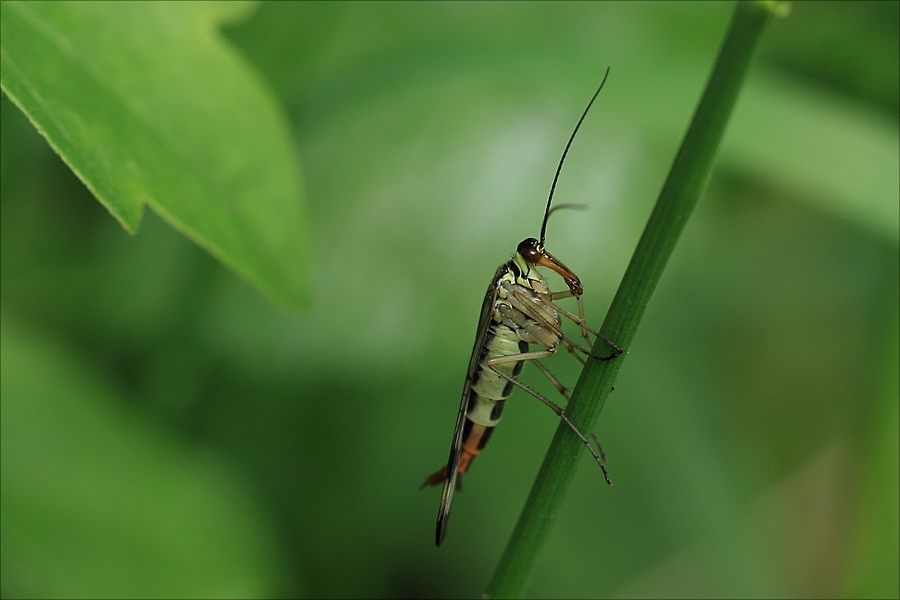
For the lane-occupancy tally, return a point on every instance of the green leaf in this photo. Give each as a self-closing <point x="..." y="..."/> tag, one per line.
<point x="147" y="103"/>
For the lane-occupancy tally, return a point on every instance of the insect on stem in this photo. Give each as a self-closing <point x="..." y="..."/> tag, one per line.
<point x="518" y="310"/>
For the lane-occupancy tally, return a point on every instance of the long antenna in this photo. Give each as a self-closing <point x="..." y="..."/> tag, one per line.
<point x="566" y="151"/>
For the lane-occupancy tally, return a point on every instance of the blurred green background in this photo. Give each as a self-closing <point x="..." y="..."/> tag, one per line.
<point x="169" y="431"/>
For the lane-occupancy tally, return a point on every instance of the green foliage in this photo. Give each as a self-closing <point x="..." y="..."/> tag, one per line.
<point x="161" y="417"/>
<point x="147" y="104"/>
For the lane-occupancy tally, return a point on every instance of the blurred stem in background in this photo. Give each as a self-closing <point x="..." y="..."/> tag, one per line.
<point x="687" y="178"/>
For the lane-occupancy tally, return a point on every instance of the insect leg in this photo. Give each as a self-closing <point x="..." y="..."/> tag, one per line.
<point x="540" y="314"/>
<point x="599" y="445"/>
<point x="580" y="321"/>
<point x="535" y="310"/>
<point x="564" y="391"/>
<point x="572" y="346"/>
<point x="556" y="382"/>
<point x="553" y="406"/>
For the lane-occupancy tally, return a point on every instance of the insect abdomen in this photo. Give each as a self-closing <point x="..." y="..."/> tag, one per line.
<point x="489" y="390"/>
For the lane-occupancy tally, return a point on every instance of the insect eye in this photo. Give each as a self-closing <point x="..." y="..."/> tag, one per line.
<point x="528" y="250"/>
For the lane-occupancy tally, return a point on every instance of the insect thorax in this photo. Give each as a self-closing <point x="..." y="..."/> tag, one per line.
<point x="522" y="272"/>
<point x="524" y="305"/>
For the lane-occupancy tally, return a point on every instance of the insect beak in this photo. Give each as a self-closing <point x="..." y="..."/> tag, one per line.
<point x="551" y="262"/>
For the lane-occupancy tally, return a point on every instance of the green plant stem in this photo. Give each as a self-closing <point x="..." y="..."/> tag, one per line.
<point x="679" y="195"/>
